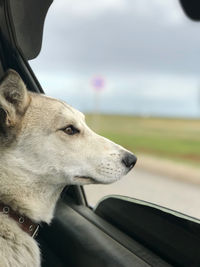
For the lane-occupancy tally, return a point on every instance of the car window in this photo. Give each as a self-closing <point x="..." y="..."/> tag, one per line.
<point x="133" y="68"/>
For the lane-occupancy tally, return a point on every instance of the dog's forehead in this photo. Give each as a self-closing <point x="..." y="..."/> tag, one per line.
<point x="67" y="111"/>
<point x="59" y="108"/>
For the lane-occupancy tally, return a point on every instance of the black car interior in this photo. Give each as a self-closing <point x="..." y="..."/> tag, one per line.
<point x="119" y="231"/>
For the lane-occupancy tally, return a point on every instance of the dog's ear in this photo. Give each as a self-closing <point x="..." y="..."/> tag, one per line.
<point x="14" y="99"/>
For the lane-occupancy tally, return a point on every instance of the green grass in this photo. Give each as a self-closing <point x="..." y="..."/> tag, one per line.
<point x="177" y="139"/>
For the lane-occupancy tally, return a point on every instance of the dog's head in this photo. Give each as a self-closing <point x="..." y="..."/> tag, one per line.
<point x="44" y="137"/>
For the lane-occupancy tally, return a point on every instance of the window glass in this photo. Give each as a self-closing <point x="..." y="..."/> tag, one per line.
<point x="132" y="66"/>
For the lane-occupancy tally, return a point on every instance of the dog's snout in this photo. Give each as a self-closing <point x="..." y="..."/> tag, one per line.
<point x="129" y="160"/>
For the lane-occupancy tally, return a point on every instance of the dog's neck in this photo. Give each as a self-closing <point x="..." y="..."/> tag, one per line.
<point x="38" y="205"/>
<point x="27" y="194"/>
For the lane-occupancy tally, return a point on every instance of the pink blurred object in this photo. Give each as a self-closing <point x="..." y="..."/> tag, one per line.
<point x="98" y="83"/>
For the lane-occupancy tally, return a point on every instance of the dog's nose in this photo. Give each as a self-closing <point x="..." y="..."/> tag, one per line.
<point x="129" y="160"/>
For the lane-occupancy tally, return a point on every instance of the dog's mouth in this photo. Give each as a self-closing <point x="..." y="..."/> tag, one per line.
<point x="85" y="179"/>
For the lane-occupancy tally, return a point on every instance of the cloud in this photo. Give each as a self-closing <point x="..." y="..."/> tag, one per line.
<point x="87" y="8"/>
<point x="121" y="35"/>
<point x="146" y="48"/>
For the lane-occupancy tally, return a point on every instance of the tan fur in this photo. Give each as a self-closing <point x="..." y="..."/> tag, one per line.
<point x="37" y="160"/>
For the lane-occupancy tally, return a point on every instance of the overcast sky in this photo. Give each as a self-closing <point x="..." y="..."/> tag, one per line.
<point x="148" y="52"/>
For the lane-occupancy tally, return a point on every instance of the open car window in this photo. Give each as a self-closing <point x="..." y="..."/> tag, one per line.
<point x="133" y="68"/>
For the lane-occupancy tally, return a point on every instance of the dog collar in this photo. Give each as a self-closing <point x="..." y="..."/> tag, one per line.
<point x="25" y="223"/>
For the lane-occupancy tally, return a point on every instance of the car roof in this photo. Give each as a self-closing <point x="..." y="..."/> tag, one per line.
<point x="25" y="21"/>
<point x="21" y="31"/>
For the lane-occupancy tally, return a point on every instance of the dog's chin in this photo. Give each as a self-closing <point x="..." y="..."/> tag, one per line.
<point x="83" y="180"/>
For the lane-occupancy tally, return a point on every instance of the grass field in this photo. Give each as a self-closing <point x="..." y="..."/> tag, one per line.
<point x="176" y="139"/>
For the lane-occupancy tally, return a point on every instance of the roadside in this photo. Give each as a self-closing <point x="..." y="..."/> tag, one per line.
<point x="169" y="168"/>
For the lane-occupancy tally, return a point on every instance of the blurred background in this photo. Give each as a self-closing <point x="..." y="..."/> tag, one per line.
<point x="133" y="67"/>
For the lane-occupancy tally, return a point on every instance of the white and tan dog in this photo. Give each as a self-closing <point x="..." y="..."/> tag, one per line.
<point x="45" y="145"/>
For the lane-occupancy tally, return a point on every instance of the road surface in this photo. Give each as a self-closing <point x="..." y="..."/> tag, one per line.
<point x="168" y="192"/>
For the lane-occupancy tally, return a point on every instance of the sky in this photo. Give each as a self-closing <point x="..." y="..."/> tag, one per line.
<point x="146" y="51"/>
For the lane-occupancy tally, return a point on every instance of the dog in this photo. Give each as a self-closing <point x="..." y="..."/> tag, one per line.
<point x="45" y="145"/>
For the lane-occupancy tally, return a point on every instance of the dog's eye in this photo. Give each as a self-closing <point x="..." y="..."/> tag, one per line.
<point x="70" y="130"/>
